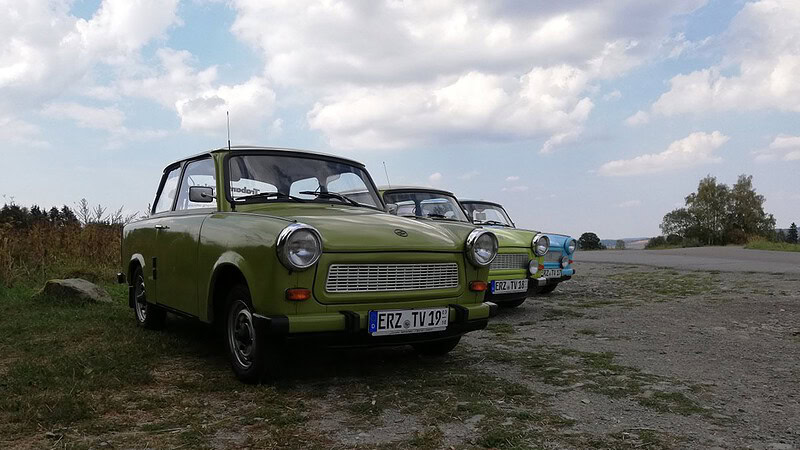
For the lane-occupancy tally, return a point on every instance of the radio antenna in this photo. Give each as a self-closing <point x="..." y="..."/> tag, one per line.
<point x="228" y="117"/>
<point x="387" y="174"/>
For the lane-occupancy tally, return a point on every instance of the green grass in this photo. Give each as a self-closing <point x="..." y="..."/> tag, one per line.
<point x="667" y="283"/>
<point x="762" y="244"/>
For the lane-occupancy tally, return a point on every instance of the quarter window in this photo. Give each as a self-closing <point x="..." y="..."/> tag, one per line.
<point x="167" y="194"/>
<point x="197" y="173"/>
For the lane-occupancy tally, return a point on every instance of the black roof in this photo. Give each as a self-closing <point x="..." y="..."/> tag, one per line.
<point x="480" y="201"/>
<point x="406" y="188"/>
<point x="248" y="148"/>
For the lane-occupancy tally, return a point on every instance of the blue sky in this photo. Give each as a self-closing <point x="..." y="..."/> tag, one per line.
<point x="594" y="116"/>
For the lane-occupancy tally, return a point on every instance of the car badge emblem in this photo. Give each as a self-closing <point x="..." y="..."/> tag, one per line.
<point x="400" y="232"/>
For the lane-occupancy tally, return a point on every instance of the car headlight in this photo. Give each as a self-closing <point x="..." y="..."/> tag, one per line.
<point x="533" y="266"/>
<point x="481" y="247"/>
<point x="540" y="244"/>
<point x="564" y="262"/>
<point x="572" y="244"/>
<point x="299" y="246"/>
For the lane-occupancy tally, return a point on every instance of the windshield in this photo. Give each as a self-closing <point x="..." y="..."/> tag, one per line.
<point x="289" y="178"/>
<point x="426" y="204"/>
<point x="488" y="214"/>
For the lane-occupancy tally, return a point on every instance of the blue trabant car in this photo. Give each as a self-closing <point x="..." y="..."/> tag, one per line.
<point x="557" y="265"/>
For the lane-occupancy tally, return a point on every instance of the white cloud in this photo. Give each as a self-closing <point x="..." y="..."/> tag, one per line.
<point x="640" y="118"/>
<point x="613" y="95"/>
<point x="519" y="188"/>
<point x="693" y="150"/>
<point x="630" y="204"/>
<point x="783" y="147"/>
<point x="201" y="102"/>
<point x="20" y="132"/>
<point x="759" y="70"/>
<point x="396" y="74"/>
<point x="108" y="118"/>
<point x="512" y="178"/>
<point x="435" y="177"/>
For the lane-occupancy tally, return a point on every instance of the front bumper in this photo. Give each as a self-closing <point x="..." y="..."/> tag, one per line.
<point x="348" y="328"/>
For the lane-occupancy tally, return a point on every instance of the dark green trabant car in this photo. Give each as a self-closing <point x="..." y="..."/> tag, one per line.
<point x="277" y="245"/>
<point x="516" y="271"/>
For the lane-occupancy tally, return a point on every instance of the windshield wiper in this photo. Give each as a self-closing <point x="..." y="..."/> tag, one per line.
<point x="491" y="222"/>
<point x="332" y="195"/>
<point x="270" y="195"/>
<point x="440" y="216"/>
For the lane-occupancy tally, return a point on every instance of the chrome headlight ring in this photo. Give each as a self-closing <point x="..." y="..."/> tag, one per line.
<point x="289" y="246"/>
<point x="481" y="252"/>
<point x="571" y="245"/>
<point x="540" y="244"/>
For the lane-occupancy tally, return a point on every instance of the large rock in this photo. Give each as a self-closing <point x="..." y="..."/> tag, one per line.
<point x="75" y="289"/>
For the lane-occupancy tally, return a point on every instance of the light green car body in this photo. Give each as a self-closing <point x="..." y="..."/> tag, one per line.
<point x="190" y="258"/>
<point x="511" y="241"/>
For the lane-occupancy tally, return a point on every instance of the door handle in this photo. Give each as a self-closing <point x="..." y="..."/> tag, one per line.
<point x="162" y="227"/>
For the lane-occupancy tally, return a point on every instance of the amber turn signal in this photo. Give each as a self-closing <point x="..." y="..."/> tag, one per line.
<point x="477" y="286"/>
<point x="541" y="266"/>
<point x="298" y="294"/>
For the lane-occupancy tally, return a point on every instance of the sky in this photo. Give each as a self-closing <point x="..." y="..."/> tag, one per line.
<point x="588" y="115"/>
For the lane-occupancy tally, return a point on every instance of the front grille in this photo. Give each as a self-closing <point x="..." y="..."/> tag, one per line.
<point x="510" y="261"/>
<point x="391" y="277"/>
<point x="553" y="256"/>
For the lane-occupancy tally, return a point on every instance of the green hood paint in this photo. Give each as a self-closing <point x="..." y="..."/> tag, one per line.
<point x="351" y="229"/>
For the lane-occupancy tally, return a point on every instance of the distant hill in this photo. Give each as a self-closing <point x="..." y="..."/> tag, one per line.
<point x="636" y="243"/>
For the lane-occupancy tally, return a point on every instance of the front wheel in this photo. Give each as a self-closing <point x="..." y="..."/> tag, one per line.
<point x="247" y="349"/>
<point x="544" y="290"/>
<point x="147" y="314"/>
<point x="437" y="348"/>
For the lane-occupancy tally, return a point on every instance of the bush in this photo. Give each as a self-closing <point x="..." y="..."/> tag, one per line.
<point x="656" y="242"/>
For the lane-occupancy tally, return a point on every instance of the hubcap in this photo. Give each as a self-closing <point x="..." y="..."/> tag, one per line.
<point x="140" y="298"/>
<point x="241" y="334"/>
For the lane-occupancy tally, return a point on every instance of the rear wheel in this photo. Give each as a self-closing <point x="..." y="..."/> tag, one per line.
<point x="437" y="348"/>
<point x="512" y="303"/>
<point x="247" y="349"/>
<point x="147" y="314"/>
<point x="544" y="290"/>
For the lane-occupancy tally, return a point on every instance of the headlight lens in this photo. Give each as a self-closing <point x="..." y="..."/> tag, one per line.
<point x="564" y="262"/>
<point x="299" y="246"/>
<point x="572" y="244"/>
<point x="540" y="244"/>
<point x="533" y="266"/>
<point x="481" y="247"/>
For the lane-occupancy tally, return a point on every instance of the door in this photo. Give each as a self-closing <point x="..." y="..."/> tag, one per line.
<point x="178" y="240"/>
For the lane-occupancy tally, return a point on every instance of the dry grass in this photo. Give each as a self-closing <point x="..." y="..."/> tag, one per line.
<point x="91" y="251"/>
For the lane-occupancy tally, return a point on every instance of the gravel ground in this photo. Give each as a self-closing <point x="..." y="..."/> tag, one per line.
<point x="726" y="344"/>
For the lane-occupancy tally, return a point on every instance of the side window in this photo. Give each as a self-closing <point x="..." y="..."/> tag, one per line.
<point x="197" y="173"/>
<point x="167" y="194"/>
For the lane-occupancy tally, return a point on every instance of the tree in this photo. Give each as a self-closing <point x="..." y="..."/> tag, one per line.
<point x="791" y="237"/>
<point x="590" y="241"/>
<point x="678" y="222"/>
<point x="746" y="214"/>
<point x="709" y="208"/>
<point x="620" y="244"/>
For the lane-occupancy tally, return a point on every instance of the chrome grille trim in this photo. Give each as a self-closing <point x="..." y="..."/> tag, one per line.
<point x="553" y="256"/>
<point x="505" y="261"/>
<point x="391" y="277"/>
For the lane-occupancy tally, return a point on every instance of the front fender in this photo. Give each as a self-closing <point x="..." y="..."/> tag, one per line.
<point x="228" y="259"/>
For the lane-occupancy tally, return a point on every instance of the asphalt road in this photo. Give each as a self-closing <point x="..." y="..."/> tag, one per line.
<point x="724" y="259"/>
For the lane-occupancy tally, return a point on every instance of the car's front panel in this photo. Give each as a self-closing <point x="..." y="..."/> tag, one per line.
<point x="558" y="262"/>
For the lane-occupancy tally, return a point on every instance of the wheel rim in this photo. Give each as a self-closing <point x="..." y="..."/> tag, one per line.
<point x="241" y="334"/>
<point x="140" y="298"/>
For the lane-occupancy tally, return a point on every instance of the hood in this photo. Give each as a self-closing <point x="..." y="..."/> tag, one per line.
<point x="557" y="241"/>
<point x="513" y="237"/>
<point x="351" y="229"/>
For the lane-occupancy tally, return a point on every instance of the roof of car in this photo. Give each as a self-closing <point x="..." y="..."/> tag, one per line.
<point x="414" y="188"/>
<point x="480" y="201"/>
<point x="248" y="148"/>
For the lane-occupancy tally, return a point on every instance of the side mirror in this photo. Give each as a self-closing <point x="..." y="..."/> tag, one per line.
<point x="201" y="194"/>
<point x="391" y="208"/>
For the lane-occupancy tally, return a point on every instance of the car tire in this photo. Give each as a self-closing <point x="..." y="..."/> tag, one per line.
<point x="248" y="351"/>
<point x="512" y="303"/>
<point x="437" y="348"/>
<point x="148" y="315"/>
<point x="544" y="290"/>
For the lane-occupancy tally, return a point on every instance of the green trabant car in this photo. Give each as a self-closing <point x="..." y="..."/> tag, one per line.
<point x="516" y="271"/>
<point x="277" y="245"/>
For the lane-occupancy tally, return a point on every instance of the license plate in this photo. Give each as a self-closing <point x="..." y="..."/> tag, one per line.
<point x="552" y="273"/>
<point x="406" y="321"/>
<point x="508" y="286"/>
